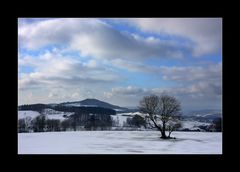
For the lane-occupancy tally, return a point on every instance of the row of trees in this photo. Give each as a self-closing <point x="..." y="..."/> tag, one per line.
<point x="161" y="112"/>
<point x="39" y="124"/>
<point x="136" y="121"/>
<point x="74" y="122"/>
<point x="91" y="121"/>
<point x="34" y="107"/>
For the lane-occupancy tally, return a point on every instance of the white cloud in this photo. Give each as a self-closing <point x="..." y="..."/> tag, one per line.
<point x="51" y="69"/>
<point x="211" y="73"/>
<point x="52" y="95"/>
<point x="56" y="75"/>
<point x="54" y="31"/>
<point x="75" y="95"/>
<point x="131" y="66"/>
<point x="98" y="39"/>
<point x="197" y="95"/>
<point x="107" y="94"/>
<point x="110" y="44"/>
<point x="199" y="88"/>
<point x="205" y="33"/>
<point x="91" y="64"/>
<point x="180" y="74"/>
<point x="130" y="90"/>
<point x="195" y="86"/>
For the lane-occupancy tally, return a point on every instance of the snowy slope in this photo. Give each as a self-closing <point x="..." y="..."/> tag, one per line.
<point x="121" y="118"/>
<point x="132" y="114"/>
<point x="53" y="114"/>
<point x="49" y="114"/>
<point x="56" y="116"/>
<point x="28" y="113"/>
<point x="92" y="103"/>
<point x="193" y="124"/>
<point x="119" y="142"/>
<point x="80" y="105"/>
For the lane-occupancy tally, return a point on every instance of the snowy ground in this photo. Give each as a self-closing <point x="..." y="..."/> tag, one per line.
<point x="118" y="142"/>
<point x="49" y="113"/>
<point x="27" y="113"/>
<point x="193" y="124"/>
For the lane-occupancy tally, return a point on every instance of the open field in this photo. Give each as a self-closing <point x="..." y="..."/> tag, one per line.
<point x="119" y="142"/>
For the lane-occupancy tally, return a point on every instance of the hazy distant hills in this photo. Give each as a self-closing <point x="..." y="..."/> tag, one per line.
<point x="203" y="112"/>
<point x="209" y="114"/>
<point x="192" y="120"/>
<point x="93" y="103"/>
<point x="87" y="103"/>
<point x="98" y="103"/>
<point x="205" y="115"/>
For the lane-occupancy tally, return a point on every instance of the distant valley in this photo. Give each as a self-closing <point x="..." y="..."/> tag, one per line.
<point x="107" y="116"/>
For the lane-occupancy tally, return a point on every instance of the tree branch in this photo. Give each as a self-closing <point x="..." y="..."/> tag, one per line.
<point x="155" y="124"/>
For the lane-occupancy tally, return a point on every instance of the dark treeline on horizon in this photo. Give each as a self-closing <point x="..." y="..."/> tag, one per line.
<point x="82" y="109"/>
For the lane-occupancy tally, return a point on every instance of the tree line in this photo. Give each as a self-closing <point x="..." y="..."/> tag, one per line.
<point x="161" y="112"/>
<point x="77" y="121"/>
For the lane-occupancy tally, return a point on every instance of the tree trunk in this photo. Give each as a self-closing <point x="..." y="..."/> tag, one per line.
<point x="163" y="131"/>
<point x="169" y="133"/>
<point x="163" y="135"/>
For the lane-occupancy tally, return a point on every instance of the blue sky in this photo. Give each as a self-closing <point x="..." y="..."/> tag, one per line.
<point x="120" y="60"/>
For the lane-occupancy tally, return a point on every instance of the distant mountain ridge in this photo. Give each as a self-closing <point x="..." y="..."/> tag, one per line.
<point x="198" y="120"/>
<point x="204" y="112"/>
<point x="88" y="103"/>
<point x="93" y="102"/>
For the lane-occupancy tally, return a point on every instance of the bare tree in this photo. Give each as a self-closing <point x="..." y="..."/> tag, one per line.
<point x="21" y="126"/>
<point x="160" y="111"/>
<point x="173" y="125"/>
<point x="66" y="124"/>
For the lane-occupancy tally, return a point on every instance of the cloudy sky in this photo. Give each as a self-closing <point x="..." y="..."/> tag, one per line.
<point x="120" y="60"/>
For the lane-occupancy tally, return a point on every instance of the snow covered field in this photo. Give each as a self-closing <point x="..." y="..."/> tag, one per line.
<point x="119" y="142"/>
<point x="49" y="113"/>
<point x="27" y="113"/>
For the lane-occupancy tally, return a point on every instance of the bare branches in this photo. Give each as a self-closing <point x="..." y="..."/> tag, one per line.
<point x="161" y="108"/>
<point x="149" y="123"/>
<point x="149" y="104"/>
<point x="173" y="125"/>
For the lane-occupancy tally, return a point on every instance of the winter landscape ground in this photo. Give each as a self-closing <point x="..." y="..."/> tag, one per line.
<point x="106" y="85"/>
<point x="119" y="142"/>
